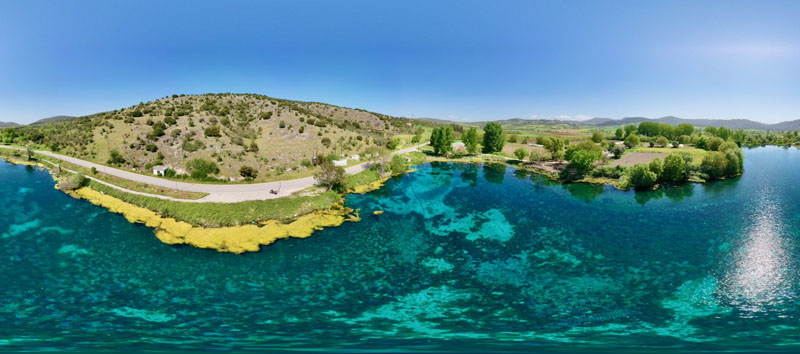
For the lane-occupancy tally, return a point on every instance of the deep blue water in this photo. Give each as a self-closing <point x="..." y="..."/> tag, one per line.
<point x="465" y="258"/>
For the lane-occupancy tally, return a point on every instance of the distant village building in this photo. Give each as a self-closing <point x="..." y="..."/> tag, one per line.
<point x="459" y="145"/>
<point x="340" y="163"/>
<point x="354" y="157"/>
<point x="160" y="170"/>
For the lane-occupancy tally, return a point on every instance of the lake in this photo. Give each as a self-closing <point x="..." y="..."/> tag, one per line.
<point x="464" y="257"/>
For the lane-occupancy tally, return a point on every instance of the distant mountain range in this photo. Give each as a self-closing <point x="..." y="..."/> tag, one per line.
<point x="595" y="122"/>
<point x="609" y="122"/>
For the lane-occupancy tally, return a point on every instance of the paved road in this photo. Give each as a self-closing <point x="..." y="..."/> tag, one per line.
<point x="221" y="193"/>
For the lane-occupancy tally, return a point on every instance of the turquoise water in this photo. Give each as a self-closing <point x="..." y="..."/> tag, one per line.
<point x="465" y="257"/>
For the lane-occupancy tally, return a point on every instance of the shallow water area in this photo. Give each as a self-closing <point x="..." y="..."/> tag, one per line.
<point x="464" y="257"/>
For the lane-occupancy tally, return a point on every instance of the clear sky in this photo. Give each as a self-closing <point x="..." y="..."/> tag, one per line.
<point x="457" y="60"/>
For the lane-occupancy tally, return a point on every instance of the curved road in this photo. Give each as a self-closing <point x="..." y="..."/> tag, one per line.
<point x="220" y="193"/>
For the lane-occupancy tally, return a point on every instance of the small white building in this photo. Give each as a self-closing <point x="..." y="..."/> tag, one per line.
<point x="160" y="170"/>
<point x="340" y="163"/>
<point x="458" y="146"/>
<point x="355" y="157"/>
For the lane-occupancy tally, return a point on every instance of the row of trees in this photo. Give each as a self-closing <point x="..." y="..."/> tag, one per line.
<point x="442" y="139"/>
<point x="676" y="168"/>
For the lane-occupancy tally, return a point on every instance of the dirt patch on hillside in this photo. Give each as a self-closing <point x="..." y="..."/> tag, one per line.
<point x="633" y="158"/>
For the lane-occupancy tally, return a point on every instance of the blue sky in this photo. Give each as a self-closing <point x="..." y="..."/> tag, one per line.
<point x="457" y="60"/>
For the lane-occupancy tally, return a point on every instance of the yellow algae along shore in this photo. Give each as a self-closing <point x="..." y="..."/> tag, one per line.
<point x="234" y="239"/>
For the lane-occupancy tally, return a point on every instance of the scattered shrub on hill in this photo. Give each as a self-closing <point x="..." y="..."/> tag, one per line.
<point x="199" y="169"/>
<point x="151" y="147"/>
<point x="248" y="172"/>
<point x="116" y="158"/>
<point x="326" y="141"/>
<point x="136" y="113"/>
<point x="212" y="131"/>
<point x="170" y="120"/>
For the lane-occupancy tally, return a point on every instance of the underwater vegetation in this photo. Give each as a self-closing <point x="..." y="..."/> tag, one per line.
<point x="463" y="257"/>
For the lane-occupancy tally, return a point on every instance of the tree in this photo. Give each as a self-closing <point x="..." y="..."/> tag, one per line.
<point x="632" y="141"/>
<point x="470" y="139"/>
<point x="674" y="168"/>
<point x="597" y="137"/>
<point x="642" y="177"/>
<point x="200" y="169"/>
<point x="629" y="130"/>
<point x="715" y="164"/>
<point x="656" y="166"/>
<point x="513" y="138"/>
<point x="619" y="133"/>
<point x="662" y="141"/>
<point x="521" y="153"/>
<point x="393" y="143"/>
<point x="493" y="140"/>
<point x="442" y="140"/>
<point x="684" y="129"/>
<point x="398" y="164"/>
<point x="714" y="143"/>
<point x="586" y="145"/>
<point x="29" y="151"/>
<point x="581" y="161"/>
<point x="555" y="146"/>
<point x="618" y="150"/>
<point x="330" y="176"/>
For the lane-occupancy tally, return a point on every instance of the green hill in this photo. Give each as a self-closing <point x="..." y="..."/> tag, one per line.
<point x="276" y="137"/>
<point x="8" y="124"/>
<point x="53" y="119"/>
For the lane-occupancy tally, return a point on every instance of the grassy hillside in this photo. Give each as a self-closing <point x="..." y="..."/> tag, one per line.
<point x="276" y="137"/>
